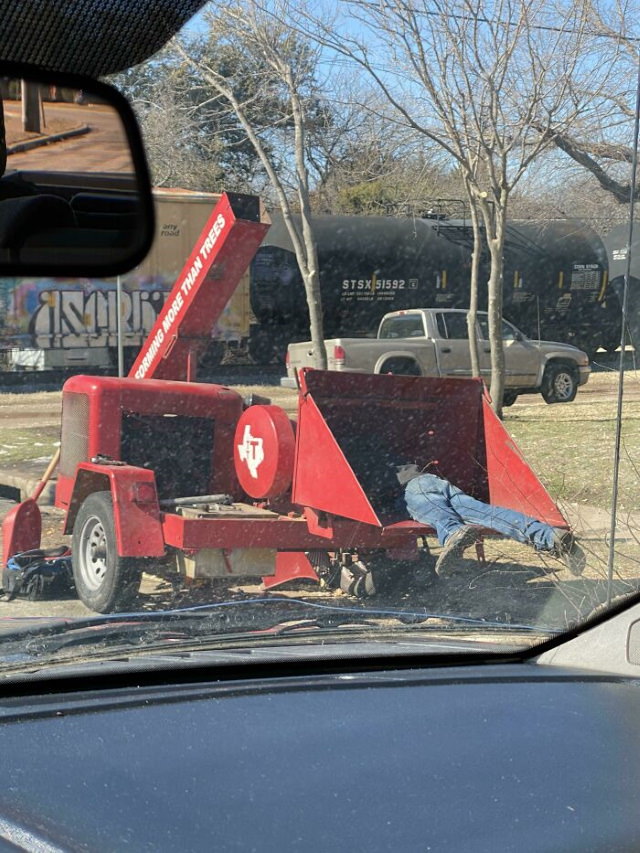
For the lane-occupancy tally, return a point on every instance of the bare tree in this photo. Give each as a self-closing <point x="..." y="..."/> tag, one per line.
<point x="287" y="64"/>
<point x="600" y="140"/>
<point x="489" y="83"/>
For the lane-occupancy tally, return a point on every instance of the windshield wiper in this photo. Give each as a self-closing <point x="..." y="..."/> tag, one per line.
<point x="253" y="620"/>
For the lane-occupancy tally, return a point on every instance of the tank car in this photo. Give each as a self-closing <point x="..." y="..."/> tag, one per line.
<point x="555" y="277"/>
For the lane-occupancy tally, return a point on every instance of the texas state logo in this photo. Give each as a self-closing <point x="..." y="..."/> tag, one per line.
<point x="251" y="451"/>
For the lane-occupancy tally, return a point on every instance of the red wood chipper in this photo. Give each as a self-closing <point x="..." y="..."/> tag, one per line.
<point x="160" y="472"/>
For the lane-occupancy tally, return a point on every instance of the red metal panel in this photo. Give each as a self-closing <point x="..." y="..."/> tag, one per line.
<point x="422" y="419"/>
<point x="512" y="483"/>
<point x="290" y="566"/>
<point x="211" y="274"/>
<point x="110" y="397"/>
<point x="323" y="479"/>
<point x="282" y="533"/>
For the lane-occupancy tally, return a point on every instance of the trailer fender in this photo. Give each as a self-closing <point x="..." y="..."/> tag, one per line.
<point x="135" y="506"/>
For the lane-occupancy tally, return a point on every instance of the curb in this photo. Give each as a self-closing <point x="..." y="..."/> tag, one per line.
<point x="26" y="482"/>
<point x="19" y="147"/>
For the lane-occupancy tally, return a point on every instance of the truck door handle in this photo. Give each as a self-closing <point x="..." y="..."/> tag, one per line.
<point x="445" y="349"/>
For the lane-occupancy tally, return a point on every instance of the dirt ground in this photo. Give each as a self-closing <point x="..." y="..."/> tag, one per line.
<point x="512" y="585"/>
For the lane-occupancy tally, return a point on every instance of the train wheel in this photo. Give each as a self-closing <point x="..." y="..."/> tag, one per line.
<point x="401" y="367"/>
<point x="261" y="347"/>
<point x="213" y="355"/>
<point x="104" y="581"/>
<point x="559" y="384"/>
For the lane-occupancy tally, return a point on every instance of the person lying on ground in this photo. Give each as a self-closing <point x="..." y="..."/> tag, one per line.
<point x="458" y="520"/>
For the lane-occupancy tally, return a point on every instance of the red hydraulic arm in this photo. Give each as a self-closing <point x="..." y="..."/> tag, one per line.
<point x="220" y="256"/>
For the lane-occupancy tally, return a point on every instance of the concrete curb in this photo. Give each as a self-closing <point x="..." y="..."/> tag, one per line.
<point x="24" y="480"/>
<point x="19" y="147"/>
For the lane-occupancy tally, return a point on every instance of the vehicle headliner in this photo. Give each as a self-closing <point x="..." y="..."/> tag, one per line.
<point x="94" y="37"/>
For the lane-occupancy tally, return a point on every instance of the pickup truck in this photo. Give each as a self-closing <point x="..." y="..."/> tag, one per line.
<point x="434" y="342"/>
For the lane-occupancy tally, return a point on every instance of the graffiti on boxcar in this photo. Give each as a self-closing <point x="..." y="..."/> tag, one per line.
<point x="68" y="315"/>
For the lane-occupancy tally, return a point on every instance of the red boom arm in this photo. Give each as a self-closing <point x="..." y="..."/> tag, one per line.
<point x="220" y="256"/>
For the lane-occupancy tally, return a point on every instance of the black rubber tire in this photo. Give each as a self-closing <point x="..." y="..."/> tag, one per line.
<point x="559" y="383"/>
<point x="401" y="367"/>
<point x="104" y="581"/>
<point x="509" y="398"/>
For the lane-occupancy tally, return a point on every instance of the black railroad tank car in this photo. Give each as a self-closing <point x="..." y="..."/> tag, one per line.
<point x="621" y="262"/>
<point x="556" y="284"/>
<point x="555" y="277"/>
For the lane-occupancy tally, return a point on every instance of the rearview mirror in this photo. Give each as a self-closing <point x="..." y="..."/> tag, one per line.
<point x="75" y="197"/>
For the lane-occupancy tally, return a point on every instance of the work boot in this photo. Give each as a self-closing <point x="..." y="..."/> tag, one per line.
<point x="454" y="548"/>
<point x="565" y="547"/>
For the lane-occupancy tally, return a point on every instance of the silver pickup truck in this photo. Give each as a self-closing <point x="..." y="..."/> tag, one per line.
<point x="434" y="342"/>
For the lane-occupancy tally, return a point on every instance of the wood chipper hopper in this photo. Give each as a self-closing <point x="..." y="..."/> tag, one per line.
<point x="352" y="430"/>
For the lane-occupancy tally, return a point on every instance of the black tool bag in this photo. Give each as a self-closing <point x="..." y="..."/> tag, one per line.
<point x="38" y="575"/>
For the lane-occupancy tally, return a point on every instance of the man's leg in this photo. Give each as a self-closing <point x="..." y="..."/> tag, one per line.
<point x="432" y="507"/>
<point x="509" y="522"/>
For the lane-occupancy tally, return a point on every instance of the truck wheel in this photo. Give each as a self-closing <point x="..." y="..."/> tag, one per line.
<point x="104" y="581"/>
<point x="559" y="383"/>
<point x="509" y="398"/>
<point x="401" y="367"/>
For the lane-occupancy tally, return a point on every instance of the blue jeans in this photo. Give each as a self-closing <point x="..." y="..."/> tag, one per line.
<point x="434" y="501"/>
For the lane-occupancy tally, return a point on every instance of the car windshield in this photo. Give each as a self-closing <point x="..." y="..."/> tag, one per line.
<point x="220" y="443"/>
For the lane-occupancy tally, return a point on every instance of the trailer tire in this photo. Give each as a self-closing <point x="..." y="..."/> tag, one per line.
<point x="401" y="367"/>
<point x="509" y="398"/>
<point x="104" y="581"/>
<point x="559" y="383"/>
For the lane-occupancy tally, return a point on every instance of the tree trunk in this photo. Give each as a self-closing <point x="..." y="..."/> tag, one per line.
<point x="496" y="249"/>
<point x="472" y="315"/>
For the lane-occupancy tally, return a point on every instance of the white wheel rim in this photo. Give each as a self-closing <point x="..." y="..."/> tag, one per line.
<point x="93" y="554"/>
<point x="563" y="384"/>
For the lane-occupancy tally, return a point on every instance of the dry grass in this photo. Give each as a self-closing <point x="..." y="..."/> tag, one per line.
<point x="571" y="447"/>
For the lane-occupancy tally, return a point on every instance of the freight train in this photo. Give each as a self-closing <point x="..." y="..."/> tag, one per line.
<point x="555" y="278"/>
<point x="621" y="263"/>
<point x="555" y="287"/>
